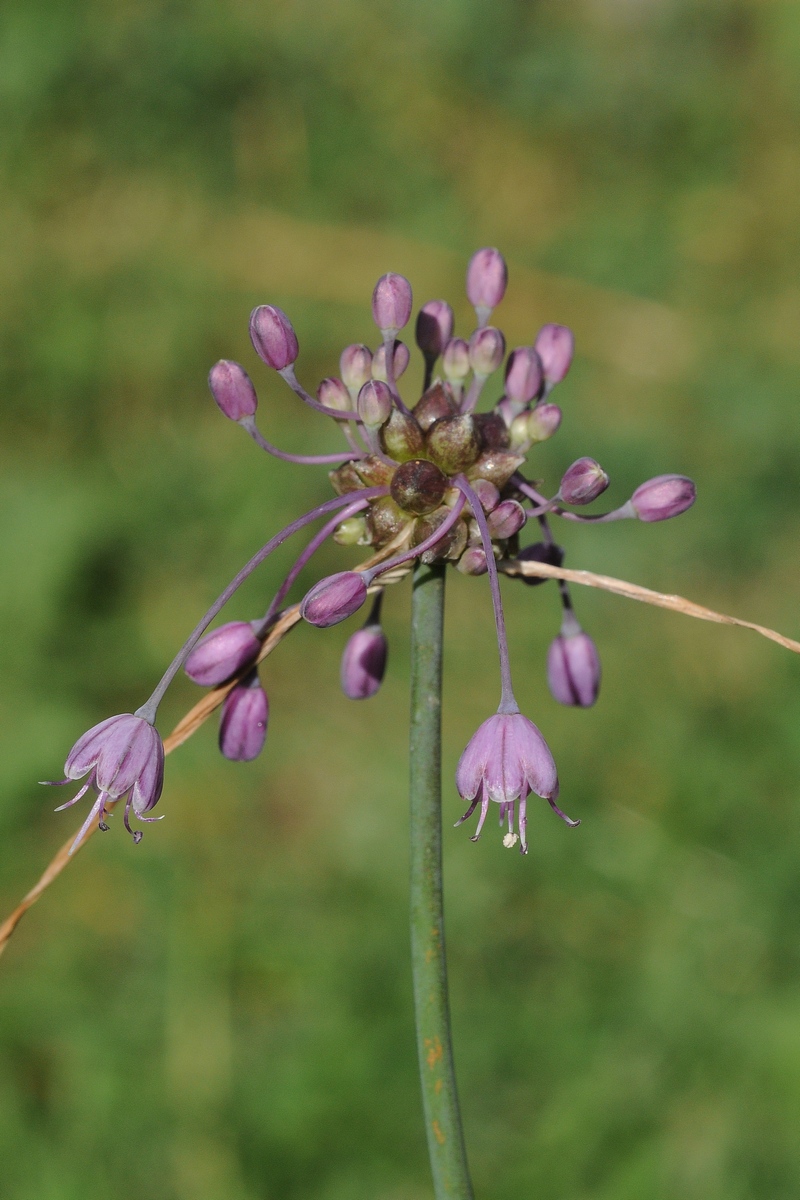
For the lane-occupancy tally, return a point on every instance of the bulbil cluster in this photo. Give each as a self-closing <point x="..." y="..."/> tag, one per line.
<point x="437" y="481"/>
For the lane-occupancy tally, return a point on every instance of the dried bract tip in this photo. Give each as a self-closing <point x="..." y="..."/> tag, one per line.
<point x="273" y="337"/>
<point x="524" y="375"/>
<point x="364" y="662"/>
<point x="355" y="367"/>
<point x="401" y="360"/>
<point x="487" y="276"/>
<point x="663" y="497"/>
<point x="391" y="303"/>
<point x="487" y="347"/>
<point x="333" y="394"/>
<point x="243" y="723"/>
<point x="222" y="653"/>
<point x="334" y="599"/>
<point x="233" y="390"/>
<point x="434" y="328"/>
<point x="374" y="403"/>
<point x="555" y="346"/>
<point x="573" y="669"/>
<point x="583" y="482"/>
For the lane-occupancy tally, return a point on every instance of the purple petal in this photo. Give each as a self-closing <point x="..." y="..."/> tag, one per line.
<point x="86" y="751"/>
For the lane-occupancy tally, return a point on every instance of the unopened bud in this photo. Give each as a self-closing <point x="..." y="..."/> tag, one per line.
<point x="352" y="532"/>
<point x="519" y="438"/>
<point x="401" y="437"/>
<point x="543" y="421"/>
<point x="334" y="599"/>
<point x="418" y="487"/>
<point x="487" y="493"/>
<point x="506" y="520"/>
<point x="400" y="361"/>
<point x="493" y="431"/>
<point x="486" y="349"/>
<point x="455" y="361"/>
<point x="435" y="403"/>
<point x="487" y="276"/>
<point x="542" y="552"/>
<point x="523" y="375"/>
<point x="233" y="390"/>
<point x="355" y="367"/>
<point x="222" y="653"/>
<point x="453" y="443"/>
<point x="374" y="403"/>
<point x="364" y="662"/>
<point x="273" y="337"/>
<point x="663" y="497"/>
<point x="583" y="482"/>
<point x="243" y="723"/>
<point x="555" y="346"/>
<point x="333" y="394"/>
<point x="573" y="668"/>
<point x="391" y="303"/>
<point x="472" y="561"/>
<point x="434" y="328"/>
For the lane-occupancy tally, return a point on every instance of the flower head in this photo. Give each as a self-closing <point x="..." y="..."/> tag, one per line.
<point x="505" y="761"/>
<point x="123" y="756"/>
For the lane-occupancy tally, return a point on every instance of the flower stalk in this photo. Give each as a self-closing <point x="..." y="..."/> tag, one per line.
<point x="429" y="966"/>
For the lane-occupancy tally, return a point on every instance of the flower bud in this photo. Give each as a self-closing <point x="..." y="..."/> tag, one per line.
<point x="400" y="361"/>
<point x="519" y="438"/>
<point x="273" y="337"/>
<point x="434" y="403"/>
<point x="401" y="437"/>
<point x="352" y="532"/>
<point x="418" y="486"/>
<point x="453" y="443"/>
<point x="486" y="349"/>
<point x="222" y="653"/>
<point x="555" y="346"/>
<point x="487" y="493"/>
<point x="523" y="375"/>
<point x="374" y="403"/>
<point x="455" y="361"/>
<point x="334" y="599"/>
<point x="663" y="497"/>
<point x="473" y="561"/>
<point x="506" y="520"/>
<point x="573" y="668"/>
<point x="355" y="367"/>
<point x="487" y="276"/>
<point x="391" y="303"/>
<point x="542" y="552"/>
<point x="543" y="421"/>
<point x="233" y="390"/>
<point x="243" y="724"/>
<point x="364" y="662"/>
<point x="493" y="430"/>
<point x="434" y="328"/>
<point x="583" y="482"/>
<point x="333" y="394"/>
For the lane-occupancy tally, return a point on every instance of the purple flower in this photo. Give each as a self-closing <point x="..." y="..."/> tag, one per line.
<point x="583" y="482"/>
<point x="233" y="390"/>
<point x="222" y="653"/>
<point x="455" y="360"/>
<point x="123" y="755"/>
<point x="505" y="761"/>
<point x="434" y="328"/>
<point x="355" y="366"/>
<point x="663" y="497"/>
<point x="273" y="337"/>
<point x="555" y="346"/>
<point x="364" y="662"/>
<point x="486" y="349"/>
<point x="573" y="669"/>
<point x="243" y="724"/>
<point x="523" y="375"/>
<point x="400" y="360"/>
<point x="334" y="599"/>
<point x="391" y="303"/>
<point x="487" y="276"/>
<point x="374" y="403"/>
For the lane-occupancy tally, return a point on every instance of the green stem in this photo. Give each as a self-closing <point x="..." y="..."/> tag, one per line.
<point x="432" y="1014"/>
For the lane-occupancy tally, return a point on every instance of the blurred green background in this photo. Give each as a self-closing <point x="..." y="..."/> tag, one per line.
<point x="224" y="1013"/>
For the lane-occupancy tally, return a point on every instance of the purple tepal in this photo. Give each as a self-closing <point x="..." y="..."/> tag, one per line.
<point x="222" y="653"/>
<point x="364" y="662"/>
<point x="573" y="666"/>
<point x="243" y="724"/>
<point x="334" y="599"/>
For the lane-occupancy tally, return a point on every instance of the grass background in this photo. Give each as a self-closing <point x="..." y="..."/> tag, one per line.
<point x="225" y="1011"/>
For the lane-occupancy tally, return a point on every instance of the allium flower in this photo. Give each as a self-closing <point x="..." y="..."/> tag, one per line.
<point x="364" y="662"/>
<point x="505" y="761"/>
<point x="573" y="668"/>
<point x="663" y="497"/>
<point x="243" y="725"/>
<point x="124" y="756"/>
<point x="222" y="653"/>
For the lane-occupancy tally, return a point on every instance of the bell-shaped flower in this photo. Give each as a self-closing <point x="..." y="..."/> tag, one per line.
<point x="123" y="756"/>
<point x="222" y="653"/>
<point x="505" y="761"/>
<point x="243" y="724"/>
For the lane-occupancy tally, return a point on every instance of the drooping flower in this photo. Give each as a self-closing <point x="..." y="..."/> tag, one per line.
<point x="505" y="761"/>
<point x="243" y="724"/>
<point x="123" y="756"/>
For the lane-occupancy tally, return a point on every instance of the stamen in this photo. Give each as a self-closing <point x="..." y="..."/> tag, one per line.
<point x="79" y="796"/>
<point x="468" y="813"/>
<point x="482" y="818"/>
<point x="572" y="824"/>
